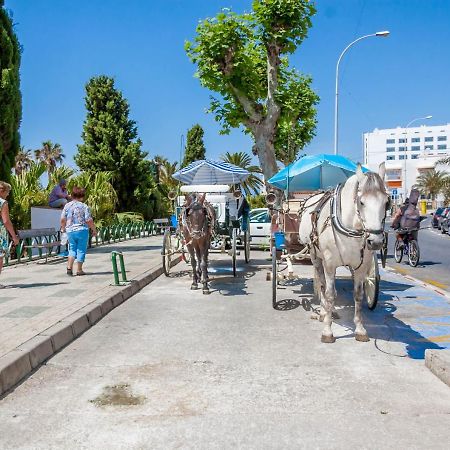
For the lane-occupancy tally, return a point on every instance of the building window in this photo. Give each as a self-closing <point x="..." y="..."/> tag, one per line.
<point x="402" y="141"/>
<point x="415" y="148"/>
<point x="415" y="140"/>
<point x="390" y="149"/>
<point x="390" y="141"/>
<point x="442" y="138"/>
<point x="428" y="147"/>
<point x="403" y="157"/>
<point x="414" y="156"/>
<point x="390" y="158"/>
<point x="402" y="149"/>
<point x="429" y="139"/>
<point x="442" y="147"/>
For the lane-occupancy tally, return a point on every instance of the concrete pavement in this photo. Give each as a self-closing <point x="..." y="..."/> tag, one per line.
<point x="172" y="368"/>
<point x="42" y="309"/>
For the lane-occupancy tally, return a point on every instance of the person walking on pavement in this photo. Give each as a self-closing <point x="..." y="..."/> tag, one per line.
<point x="59" y="196"/>
<point x="76" y="219"/>
<point x="5" y="223"/>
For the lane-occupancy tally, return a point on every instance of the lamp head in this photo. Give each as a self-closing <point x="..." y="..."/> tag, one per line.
<point x="382" y="33"/>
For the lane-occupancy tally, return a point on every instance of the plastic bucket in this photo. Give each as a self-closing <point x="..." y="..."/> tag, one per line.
<point x="279" y="239"/>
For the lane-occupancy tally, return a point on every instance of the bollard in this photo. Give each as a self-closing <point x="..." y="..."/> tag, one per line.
<point x="117" y="281"/>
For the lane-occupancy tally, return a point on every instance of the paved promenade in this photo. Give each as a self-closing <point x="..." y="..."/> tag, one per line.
<point x="42" y="308"/>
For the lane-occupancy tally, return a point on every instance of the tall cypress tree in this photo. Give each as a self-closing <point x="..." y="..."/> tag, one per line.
<point x="111" y="144"/>
<point x="195" y="148"/>
<point x="10" y="96"/>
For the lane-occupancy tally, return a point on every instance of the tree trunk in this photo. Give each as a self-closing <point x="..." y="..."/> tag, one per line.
<point x="266" y="153"/>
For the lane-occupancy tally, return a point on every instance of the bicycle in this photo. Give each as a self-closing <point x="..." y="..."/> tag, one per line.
<point x="410" y="246"/>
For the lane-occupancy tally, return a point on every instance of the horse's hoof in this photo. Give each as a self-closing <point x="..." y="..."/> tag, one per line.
<point x="206" y="291"/>
<point x="328" y="339"/>
<point x="321" y="317"/>
<point x="314" y="317"/>
<point x="194" y="287"/>
<point x="362" y="337"/>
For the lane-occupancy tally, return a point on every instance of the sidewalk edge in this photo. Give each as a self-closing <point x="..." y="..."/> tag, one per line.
<point x="438" y="361"/>
<point x="20" y="362"/>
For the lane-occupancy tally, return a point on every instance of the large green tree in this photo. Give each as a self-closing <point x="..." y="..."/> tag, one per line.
<point x="244" y="58"/>
<point x="195" y="147"/>
<point x="111" y="144"/>
<point x="10" y="97"/>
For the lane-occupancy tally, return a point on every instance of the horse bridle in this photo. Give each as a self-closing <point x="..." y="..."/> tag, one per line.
<point x="197" y="234"/>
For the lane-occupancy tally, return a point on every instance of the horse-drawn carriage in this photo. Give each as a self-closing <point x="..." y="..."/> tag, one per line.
<point x="341" y="223"/>
<point x="212" y="214"/>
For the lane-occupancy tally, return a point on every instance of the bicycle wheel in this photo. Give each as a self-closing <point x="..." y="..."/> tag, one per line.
<point x="234" y="250"/>
<point x="247" y="245"/>
<point x="274" y="278"/>
<point x="414" y="253"/>
<point x="372" y="284"/>
<point x="166" y="252"/>
<point x="398" y="251"/>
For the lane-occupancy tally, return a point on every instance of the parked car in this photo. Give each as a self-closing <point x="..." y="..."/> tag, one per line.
<point x="445" y="222"/>
<point x="436" y="215"/>
<point x="260" y="227"/>
<point x="441" y="217"/>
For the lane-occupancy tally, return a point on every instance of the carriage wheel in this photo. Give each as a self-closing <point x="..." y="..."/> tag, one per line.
<point x="247" y="245"/>
<point x="234" y="250"/>
<point x="372" y="284"/>
<point x="166" y="252"/>
<point x="274" y="277"/>
<point x="413" y="253"/>
<point x="398" y="251"/>
<point x="384" y="250"/>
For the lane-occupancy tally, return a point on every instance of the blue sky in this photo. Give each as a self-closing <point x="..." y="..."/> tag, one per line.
<point x="385" y="82"/>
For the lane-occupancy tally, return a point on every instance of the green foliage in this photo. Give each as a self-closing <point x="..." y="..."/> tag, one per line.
<point x="58" y="174"/>
<point x="22" y="160"/>
<point x="111" y="144"/>
<point x="10" y="96"/>
<point x="244" y="58"/>
<point x="50" y="155"/>
<point x="128" y="217"/>
<point x="195" y="148"/>
<point x="100" y="194"/>
<point x="253" y="183"/>
<point x="27" y="191"/>
<point x="432" y="182"/>
<point x="257" y="201"/>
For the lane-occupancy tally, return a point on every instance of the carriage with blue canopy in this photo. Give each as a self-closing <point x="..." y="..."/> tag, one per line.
<point x="220" y="182"/>
<point x="311" y="175"/>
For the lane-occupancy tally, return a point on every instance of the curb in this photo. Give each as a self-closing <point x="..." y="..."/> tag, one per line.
<point x="20" y="362"/>
<point x="438" y="361"/>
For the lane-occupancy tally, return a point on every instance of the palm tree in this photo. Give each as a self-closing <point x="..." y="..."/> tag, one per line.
<point x="23" y="160"/>
<point x="241" y="159"/>
<point x="166" y="171"/>
<point x="50" y="154"/>
<point x="431" y="182"/>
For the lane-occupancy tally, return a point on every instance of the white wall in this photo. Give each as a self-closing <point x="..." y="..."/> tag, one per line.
<point x="45" y="217"/>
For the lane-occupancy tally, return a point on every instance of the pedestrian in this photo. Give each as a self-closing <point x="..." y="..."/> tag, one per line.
<point x="5" y="223"/>
<point x="76" y="219"/>
<point x="59" y="196"/>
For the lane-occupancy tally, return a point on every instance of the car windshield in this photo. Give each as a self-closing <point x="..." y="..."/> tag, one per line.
<point x="439" y="210"/>
<point x="259" y="217"/>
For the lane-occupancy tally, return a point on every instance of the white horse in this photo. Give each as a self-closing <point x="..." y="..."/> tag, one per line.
<point x="344" y="229"/>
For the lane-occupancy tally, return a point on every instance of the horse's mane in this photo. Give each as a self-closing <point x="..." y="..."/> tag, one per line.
<point x="373" y="184"/>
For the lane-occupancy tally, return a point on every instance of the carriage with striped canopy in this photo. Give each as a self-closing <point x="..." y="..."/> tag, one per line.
<point x="219" y="182"/>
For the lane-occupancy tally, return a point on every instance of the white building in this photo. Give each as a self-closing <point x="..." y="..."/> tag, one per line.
<point x="407" y="152"/>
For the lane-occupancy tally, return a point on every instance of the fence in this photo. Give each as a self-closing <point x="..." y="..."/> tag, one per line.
<point x="105" y="235"/>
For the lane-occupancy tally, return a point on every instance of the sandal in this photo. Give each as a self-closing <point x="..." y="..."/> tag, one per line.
<point x="69" y="272"/>
<point x="79" y="274"/>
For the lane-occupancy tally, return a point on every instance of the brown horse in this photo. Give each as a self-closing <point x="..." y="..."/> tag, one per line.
<point x="198" y="218"/>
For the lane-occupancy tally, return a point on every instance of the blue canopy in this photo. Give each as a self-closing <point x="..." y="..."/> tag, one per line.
<point x="314" y="172"/>
<point x="207" y="171"/>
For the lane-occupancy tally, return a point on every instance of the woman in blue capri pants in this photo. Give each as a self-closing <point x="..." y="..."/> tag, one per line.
<point x="76" y="220"/>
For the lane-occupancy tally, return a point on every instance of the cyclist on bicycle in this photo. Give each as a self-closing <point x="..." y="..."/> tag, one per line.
<point x="408" y="218"/>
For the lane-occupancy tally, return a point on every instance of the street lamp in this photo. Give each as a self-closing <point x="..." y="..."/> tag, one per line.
<point x="406" y="145"/>
<point x="377" y="34"/>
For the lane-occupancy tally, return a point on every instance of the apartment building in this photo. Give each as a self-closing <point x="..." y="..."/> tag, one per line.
<point x="407" y="153"/>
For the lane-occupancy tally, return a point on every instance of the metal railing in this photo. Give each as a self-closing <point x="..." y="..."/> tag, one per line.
<point x="105" y="235"/>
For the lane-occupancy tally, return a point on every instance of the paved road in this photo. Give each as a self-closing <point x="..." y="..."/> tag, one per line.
<point x="434" y="265"/>
<point x="172" y="368"/>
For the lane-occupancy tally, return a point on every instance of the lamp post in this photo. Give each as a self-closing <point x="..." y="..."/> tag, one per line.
<point x="406" y="147"/>
<point x="377" y="34"/>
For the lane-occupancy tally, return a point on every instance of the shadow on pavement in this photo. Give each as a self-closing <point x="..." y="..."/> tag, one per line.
<point x="111" y="247"/>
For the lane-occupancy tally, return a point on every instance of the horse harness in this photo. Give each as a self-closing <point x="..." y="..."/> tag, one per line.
<point x="207" y="224"/>
<point x="335" y="221"/>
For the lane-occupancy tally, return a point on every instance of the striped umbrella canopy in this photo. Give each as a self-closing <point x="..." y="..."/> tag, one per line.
<point x="207" y="171"/>
<point x="314" y="172"/>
